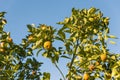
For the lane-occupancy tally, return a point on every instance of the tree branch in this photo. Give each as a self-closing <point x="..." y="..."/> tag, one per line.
<point x="60" y="71"/>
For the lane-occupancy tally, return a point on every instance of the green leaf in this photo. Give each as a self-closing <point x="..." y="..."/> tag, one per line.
<point x="111" y="36"/>
<point x="38" y="51"/>
<point x="2" y="14"/>
<point x="67" y="45"/>
<point x="31" y="28"/>
<point x="28" y="60"/>
<point x="73" y="34"/>
<point x="92" y="10"/>
<point x="66" y="20"/>
<point x="37" y="44"/>
<point x="62" y="34"/>
<point x="64" y="56"/>
<point x="46" y="76"/>
<point x="68" y="31"/>
<point x="59" y="38"/>
<point x="60" y="23"/>
<point x="45" y="54"/>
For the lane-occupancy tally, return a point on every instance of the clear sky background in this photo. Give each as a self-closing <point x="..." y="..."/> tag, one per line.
<point x="23" y="12"/>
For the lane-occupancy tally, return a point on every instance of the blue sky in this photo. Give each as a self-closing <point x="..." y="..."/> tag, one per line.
<point x="23" y="12"/>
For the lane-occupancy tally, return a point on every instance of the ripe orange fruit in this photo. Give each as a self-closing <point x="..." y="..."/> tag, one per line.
<point x="47" y="45"/>
<point x="97" y="63"/>
<point x="103" y="57"/>
<point x="9" y="40"/>
<point x="91" y="67"/>
<point x="108" y="76"/>
<point x="2" y="50"/>
<point x="30" y="38"/>
<point x="2" y="44"/>
<point x="33" y="72"/>
<point x="43" y="27"/>
<point x="86" y="76"/>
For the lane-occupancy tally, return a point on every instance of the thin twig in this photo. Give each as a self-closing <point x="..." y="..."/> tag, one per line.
<point x="60" y="71"/>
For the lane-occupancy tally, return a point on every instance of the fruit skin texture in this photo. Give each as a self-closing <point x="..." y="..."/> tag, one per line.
<point x="48" y="45"/>
<point x="103" y="57"/>
<point x="86" y="76"/>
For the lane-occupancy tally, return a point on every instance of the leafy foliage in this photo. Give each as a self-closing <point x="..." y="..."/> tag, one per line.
<point x="85" y="35"/>
<point x="87" y="42"/>
<point x="16" y="61"/>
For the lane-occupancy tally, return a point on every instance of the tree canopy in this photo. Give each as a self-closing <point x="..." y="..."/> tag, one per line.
<point x="85" y="37"/>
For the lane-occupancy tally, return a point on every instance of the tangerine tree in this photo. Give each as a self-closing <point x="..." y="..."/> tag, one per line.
<point x="85" y="36"/>
<point x="16" y="60"/>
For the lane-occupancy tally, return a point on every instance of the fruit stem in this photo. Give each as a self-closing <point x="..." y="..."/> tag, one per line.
<point x="60" y="71"/>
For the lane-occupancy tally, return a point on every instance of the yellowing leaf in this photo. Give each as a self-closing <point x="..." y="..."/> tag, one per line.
<point x="92" y="10"/>
<point x="112" y="36"/>
<point x="66" y="20"/>
<point x="99" y="67"/>
<point x="112" y="42"/>
<point x="114" y="72"/>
